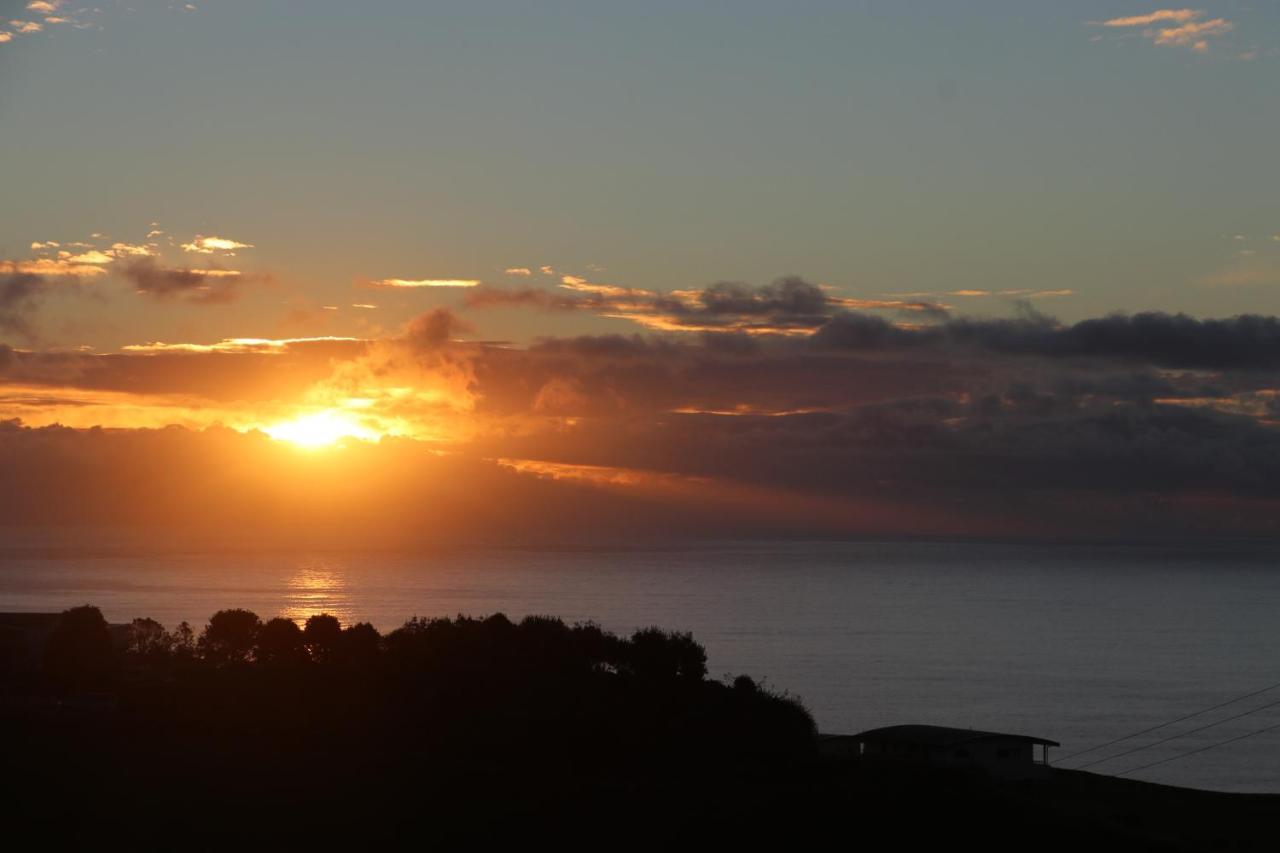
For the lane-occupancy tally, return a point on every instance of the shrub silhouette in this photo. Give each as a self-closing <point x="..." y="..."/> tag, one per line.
<point x="230" y="636"/>
<point x="79" y="651"/>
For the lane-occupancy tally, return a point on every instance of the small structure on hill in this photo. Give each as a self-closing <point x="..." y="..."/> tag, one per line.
<point x="22" y="639"/>
<point x="1004" y="755"/>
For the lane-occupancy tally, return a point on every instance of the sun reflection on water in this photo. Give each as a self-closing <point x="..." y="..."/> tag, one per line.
<point x="318" y="587"/>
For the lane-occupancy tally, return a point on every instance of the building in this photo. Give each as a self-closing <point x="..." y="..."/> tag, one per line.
<point x="22" y="639"/>
<point x="1004" y="755"/>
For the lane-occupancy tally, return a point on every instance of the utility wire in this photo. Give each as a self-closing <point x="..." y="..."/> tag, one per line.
<point x="1170" y="723"/>
<point x="1178" y="735"/>
<point x="1201" y="749"/>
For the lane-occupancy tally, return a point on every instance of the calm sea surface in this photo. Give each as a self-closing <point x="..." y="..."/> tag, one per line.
<point x="1079" y="645"/>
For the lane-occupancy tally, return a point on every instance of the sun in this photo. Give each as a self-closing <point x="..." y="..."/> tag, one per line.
<point x="321" y="429"/>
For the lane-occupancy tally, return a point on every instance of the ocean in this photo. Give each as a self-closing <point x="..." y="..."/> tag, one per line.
<point x="1077" y="644"/>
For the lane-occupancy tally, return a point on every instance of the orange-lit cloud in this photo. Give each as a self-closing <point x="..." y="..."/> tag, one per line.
<point x="1187" y="29"/>
<point x="208" y="245"/>
<point x="258" y="345"/>
<point x="411" y="283"/>
<point x="1177" y="15"/>
<point x="1193" y="34"/>
<point x="53" y="267"/>
<point x="858" y="424"/>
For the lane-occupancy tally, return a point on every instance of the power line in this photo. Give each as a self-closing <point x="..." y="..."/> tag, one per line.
<point x="1178" y="735"/>
<point x="1170" y="723"/>
<point x="1201" y="749"/>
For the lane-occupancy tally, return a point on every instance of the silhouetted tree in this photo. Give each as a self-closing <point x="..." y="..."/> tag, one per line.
<point x="360" y="644"/>
<point x="182" y="641"/>
<point x="655" y="653"/>
<point x="230" y="636"/>
<point x="280" y="643"/>
<point x="322" y="635"/>
<point x="79" y="652"/>
<point x="147" y="639"/>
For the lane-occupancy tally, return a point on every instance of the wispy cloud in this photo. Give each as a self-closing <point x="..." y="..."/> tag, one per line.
<point x="411" y="283"/>
<point x="269" y="346"/>
<point x="974" y="293"/>
<point x="1181" y="27"/>
<point x="1180" y="16"/>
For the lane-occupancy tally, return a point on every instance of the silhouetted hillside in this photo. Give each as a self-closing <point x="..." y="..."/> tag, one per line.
<point x="266" y="733"/>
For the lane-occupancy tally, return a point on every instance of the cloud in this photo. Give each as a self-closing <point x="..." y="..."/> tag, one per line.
<point x="47" y="8"/>
<point x="1175" y="15"/>
<point x="1017" y="293"/>
<point x="54" y="267"/>
<point x="788" y="306"/>
<point x="137" y="263"/>
<point x="1187" y="27"/>
<point x="271" y="346"/>
<point x="1194" y="34"/>
<point x="19" y="293"/>
<point x="1155" y="338"/>
<point x="408" y="283"/>
<point x="93" y="256"/>
<point x="122" y="250"/>
<point x="1149" y="423"/>
<point x="208" y="245"/>
<point x="520" y="271"/>
<point x="194" y="285"/>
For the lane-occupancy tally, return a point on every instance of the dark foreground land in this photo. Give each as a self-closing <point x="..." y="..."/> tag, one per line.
<point x="474" y="730"/>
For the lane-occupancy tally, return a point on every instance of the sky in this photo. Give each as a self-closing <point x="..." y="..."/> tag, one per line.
<point x="989" y="269"/>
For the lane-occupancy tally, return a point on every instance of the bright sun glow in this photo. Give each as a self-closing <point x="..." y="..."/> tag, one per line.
<point x="321" y="429"/>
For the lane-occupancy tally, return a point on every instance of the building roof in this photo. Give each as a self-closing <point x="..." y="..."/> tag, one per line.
<point x="942" y="736"/>
<point x="25" y="619"/>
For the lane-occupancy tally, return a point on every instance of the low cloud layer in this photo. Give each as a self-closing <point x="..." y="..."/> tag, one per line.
<point x="1147" y="424"/>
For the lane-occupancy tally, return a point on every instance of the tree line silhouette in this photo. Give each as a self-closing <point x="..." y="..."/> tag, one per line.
<point x="530" y="719"/>
<point x="81" y="652"/>
<point x="328" y="735"/>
